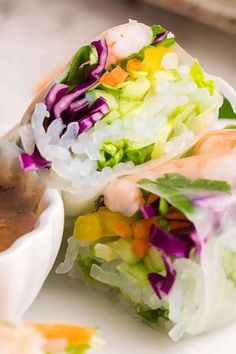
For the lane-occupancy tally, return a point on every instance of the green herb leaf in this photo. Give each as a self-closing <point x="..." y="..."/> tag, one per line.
<point x="80" y="65"/>
<point x="173" y="187"/>
<point x="154" y="316"/>
<point x="167" y="42"/>
<point x="157" y="29"/>
<point x="226" y="110"/>
<point x="170" y="192"/>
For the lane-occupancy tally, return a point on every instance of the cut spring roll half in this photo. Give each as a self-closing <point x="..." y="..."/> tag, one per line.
<point x="165" y="239"/>
<point x="45" y="338"/>
<point x="126" y="99"/>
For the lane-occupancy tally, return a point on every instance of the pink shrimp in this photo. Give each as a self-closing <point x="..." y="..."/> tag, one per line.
<point x="126" y="39"/>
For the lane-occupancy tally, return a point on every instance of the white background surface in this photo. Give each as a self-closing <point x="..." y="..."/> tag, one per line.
<point x="35" y="37"/>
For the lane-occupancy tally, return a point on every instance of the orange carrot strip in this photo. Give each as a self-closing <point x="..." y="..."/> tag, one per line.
<point x="108" y="79"/>
<point x="123" y="230"/>
<point x="115" y="77"/>
<point x="119" y="74"/>
<point x="140" y="247"/>
<point x="141" y="228"/>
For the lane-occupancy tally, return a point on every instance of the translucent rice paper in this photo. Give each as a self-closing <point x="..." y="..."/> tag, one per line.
<point x="203" y="296"/>
<point x="80" y="199"/>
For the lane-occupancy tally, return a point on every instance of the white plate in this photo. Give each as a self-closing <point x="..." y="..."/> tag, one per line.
<point x="65" y="299"/>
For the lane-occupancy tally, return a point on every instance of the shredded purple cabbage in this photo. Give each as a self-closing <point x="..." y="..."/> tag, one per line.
<point x="102" y="50"/>
<point x="148" y="211"/>
<point x="163" y="284"/>
<point x="64" y="103"/>
<point x="55" y="94"/>
<point x="171" y="244"/>
<point x="73" y="108"/>
<point x="59" y="100"/>
<point x="34" y="161"/>
<point x="97" y="111"/>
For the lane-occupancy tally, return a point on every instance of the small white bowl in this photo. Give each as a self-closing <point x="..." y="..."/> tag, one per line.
<point x="25" y="265"/>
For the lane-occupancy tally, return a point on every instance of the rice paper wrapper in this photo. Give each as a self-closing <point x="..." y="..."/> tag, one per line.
<point x="203" y="296"/>
<point x="80" y="191"/>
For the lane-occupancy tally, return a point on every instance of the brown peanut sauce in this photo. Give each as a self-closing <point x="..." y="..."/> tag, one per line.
<point x="20" y="206"/>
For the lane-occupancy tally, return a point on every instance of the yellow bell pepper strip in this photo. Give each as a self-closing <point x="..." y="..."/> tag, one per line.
<point x="153" y="57"/>
<point x="151" y="62"/>
<point x="134" y="65"/>
<point x="102" y="223"/>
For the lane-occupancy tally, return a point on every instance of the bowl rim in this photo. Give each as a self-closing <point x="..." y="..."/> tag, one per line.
<point x="54" y="200"/>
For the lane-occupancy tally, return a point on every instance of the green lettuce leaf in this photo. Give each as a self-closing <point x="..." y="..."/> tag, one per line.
<point x="198" y="75"/>
<point x="139" y="156"/>
<point x="113" y="153"/>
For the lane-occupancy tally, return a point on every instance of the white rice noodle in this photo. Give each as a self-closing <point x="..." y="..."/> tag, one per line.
<point x="202" y="297"/>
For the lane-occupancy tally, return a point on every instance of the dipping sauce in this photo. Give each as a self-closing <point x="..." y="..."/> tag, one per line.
<point x="20" y="206"/>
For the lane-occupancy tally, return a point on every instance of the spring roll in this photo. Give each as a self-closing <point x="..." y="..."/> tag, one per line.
<point x="130" y="98"/>
<point x="165" y="240"/>
<point x="45" y="338"/>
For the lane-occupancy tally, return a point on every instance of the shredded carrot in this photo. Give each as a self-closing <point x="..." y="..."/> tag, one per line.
<point x="140" y="247"/>
<point x="123" y="230"/>
<point x="119" y="74"/>
<point x="114" y="77"/>
<point x="74" y="334"/>
<point x="141" y="228"/>
<point x="108" y="79"/>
